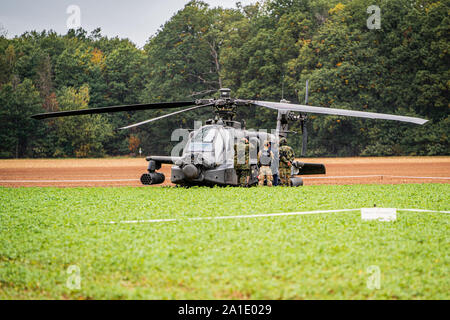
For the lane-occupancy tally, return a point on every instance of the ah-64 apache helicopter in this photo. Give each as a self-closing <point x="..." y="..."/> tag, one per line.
<point x="208" y="156"/>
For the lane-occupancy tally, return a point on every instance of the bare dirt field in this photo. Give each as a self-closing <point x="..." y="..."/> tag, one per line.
<point x="126" y="172"/>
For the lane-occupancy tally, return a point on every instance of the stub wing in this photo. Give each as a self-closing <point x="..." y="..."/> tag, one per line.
<point x="163" y="159"/>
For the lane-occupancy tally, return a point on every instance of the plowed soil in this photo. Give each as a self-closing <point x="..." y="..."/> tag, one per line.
<point x="126" y="172"/>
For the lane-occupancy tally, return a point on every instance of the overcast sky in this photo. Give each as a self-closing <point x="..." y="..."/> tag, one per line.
<point x="133" y="19"/>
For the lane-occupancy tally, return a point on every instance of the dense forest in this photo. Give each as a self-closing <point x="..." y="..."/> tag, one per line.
<point x="263" y="51"/>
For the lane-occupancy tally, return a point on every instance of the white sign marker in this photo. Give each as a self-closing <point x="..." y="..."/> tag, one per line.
<point x="381" y="214"/>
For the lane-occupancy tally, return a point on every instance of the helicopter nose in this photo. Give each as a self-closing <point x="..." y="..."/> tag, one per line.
<point x="190" y="171"/>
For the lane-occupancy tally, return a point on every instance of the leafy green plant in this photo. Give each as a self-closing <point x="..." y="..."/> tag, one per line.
<point x="43" y="231"/>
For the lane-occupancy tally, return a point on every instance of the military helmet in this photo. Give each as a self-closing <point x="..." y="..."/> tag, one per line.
<point x="283" y="141"/>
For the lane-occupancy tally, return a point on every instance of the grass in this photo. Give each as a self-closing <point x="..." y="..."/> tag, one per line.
<point x="43" y="231"/>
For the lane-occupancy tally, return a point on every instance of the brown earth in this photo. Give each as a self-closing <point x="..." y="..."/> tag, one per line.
<point x="126" y="172"/>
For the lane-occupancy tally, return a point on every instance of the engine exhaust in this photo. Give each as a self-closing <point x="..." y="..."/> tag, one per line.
<point x="296" y="182"/>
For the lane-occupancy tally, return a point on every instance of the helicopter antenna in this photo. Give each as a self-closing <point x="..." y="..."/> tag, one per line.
<point x="303" y="123"/>
<point x="306" y="92"/>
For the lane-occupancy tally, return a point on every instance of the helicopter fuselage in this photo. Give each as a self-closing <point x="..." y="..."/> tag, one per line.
<point x="208" y="157"/>
<point x="210" y="153"/>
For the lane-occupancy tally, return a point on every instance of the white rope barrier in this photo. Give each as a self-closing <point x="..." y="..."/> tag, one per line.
<point x="260" y="216"/>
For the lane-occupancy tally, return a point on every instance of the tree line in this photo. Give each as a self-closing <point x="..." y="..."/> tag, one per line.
<point x="263" y="51"/>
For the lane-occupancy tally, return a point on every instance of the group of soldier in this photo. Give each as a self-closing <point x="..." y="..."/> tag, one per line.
<point x="265" y="158"/>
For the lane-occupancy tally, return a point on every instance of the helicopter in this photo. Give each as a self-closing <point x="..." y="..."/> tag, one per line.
<point x="208" y="156"/>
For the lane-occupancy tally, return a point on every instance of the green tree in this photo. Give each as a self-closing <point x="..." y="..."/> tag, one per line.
<point x="79" y="136"/>
<point x="264" y="51"/>
<point x="18" y="101"/>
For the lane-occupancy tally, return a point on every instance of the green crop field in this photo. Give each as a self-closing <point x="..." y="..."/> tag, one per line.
<point x="44" y="231"/>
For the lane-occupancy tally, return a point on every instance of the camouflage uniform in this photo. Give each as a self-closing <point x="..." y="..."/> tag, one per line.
<point x="265" y="159"/>
<point x="254" y="171"/>
<point x="242" y="169"/>
<point x="287" y="156"/>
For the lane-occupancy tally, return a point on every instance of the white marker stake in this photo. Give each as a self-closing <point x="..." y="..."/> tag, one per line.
<point x="381" y="214"/>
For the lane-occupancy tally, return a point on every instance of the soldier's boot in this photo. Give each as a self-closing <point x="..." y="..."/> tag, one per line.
<point x="245" y="179"/>
<point x="242" y="180"/>
<point x="269" y="181"/>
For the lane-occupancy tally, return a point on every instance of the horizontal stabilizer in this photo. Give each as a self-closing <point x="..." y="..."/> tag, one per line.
<point x="301" y="168"/>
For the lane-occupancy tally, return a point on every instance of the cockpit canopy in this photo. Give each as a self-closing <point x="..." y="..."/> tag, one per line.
<point x="214" y="144"/>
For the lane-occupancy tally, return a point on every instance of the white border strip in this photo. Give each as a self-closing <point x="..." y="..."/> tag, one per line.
<point x="375" y="176"/>
<point x="304" y="178"/>
<point x="411" y="177"/>
<point x="260" y="215"/>
<point x="423" y="210"/>
<point x="344" y="177"/>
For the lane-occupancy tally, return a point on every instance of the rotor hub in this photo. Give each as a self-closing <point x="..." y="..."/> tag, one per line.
<point x="225" y="93"/>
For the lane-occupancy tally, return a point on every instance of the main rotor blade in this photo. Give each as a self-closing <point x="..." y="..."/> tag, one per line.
<point x="338" y="112"/>
<point x="165" y="116"/>
<point x="132" y="107"/>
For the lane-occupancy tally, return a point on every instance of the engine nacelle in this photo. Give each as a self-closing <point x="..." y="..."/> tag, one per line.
<point x="190" y="171"/>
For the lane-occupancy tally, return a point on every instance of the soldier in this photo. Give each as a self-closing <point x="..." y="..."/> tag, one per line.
<point x="274" y="167"/>
<point x="265" y="159"/>
<point x="241" y="162"/>
<point x="287" y="156"/>
<point x="253" y="160"/>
